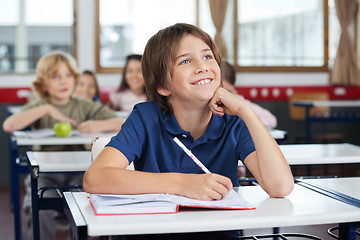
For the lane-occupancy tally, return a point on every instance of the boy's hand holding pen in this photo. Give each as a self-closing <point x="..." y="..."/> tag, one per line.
<point x="215" y="186"/>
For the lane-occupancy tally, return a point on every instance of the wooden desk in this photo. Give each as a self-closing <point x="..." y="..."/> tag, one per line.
<point x="52" y="162"/>
<point x="301" y="207"/>
<point x="354" y="117"/>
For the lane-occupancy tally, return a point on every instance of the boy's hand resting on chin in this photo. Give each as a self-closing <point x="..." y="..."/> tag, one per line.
<point x="225" y="102"/>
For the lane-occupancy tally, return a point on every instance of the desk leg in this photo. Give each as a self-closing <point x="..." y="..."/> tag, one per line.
<point x="77" y="222"/>
<point x="35" y="207"/>
<point x="308" y="134"/>
<point x="347" y="231"/>
<point x="14" y="198"/>
<point x="15" y="170"/>
<point x="307" y="123"/>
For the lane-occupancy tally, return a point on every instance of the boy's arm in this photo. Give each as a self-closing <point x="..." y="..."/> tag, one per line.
<point x="106" y="125"/>
<point x="23" y="119"/>
<point x="107" y="174"/>
<point x="266" y="117"/>
<point x="267" y="163"/>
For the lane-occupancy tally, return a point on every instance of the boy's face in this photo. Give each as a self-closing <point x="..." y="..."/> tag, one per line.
<point x="196" y="74"/>
<point x="60" y="85"/>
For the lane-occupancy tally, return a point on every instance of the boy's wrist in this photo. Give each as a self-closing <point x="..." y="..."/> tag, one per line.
<point x="175" y="184"/>
<point x="46" y="109"/>
<point x="243" y="110"/>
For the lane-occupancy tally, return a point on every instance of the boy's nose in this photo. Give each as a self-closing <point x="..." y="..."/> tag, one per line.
<point x="63" y="78"/>
<point x="201" y="67"/>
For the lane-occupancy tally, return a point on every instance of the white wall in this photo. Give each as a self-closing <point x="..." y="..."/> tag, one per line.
<point x="86" y="60"/>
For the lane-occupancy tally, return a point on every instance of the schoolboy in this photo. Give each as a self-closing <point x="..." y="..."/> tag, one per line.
<point x="182" y="76"/>
<point x="56" y="78"/>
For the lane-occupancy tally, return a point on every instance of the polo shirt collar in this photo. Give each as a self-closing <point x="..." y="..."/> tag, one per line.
<point x="214" y="131"/>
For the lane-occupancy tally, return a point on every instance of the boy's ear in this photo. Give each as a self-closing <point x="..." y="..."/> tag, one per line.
<point x="164" y="92"/>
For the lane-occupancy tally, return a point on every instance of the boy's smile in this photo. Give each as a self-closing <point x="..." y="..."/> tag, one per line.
<point x="196" y="74"/>
<point x="202" y="81"/>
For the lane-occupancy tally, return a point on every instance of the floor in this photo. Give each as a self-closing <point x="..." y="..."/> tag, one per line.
<point x="7" y="220"/>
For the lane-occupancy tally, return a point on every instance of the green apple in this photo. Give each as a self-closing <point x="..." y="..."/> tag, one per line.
<point x="62" y="129"/>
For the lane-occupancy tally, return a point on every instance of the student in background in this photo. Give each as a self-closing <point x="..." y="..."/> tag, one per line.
<point x="228" y="76"/>
<point x="132" y="88"/>
<point x="88" y="87"/>
<point x="56" y="78"/>
<point x="181" y="68"/>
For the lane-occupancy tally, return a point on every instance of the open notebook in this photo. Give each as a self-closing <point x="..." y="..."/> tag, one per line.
<point x="104" y="204"/>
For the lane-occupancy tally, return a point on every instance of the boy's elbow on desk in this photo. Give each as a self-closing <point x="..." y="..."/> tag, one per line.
<point x="91" y="181"/>
<point x="281" y="191"/>
<point x="88" y="186"/>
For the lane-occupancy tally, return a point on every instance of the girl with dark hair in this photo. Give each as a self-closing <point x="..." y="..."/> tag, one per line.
<point x="132" y="88"/>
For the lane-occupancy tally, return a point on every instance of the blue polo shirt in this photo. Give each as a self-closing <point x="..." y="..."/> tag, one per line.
<point x="147" y="135"/>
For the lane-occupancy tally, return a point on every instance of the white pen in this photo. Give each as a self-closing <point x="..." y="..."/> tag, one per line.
<point x="191" y="155"/>
<point x="197" y="161"/>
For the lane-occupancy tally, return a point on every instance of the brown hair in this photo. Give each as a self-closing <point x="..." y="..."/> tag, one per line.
<point x="48" y="65"/>
<point x="227" y="72"/>
<point x="159" y="57"/>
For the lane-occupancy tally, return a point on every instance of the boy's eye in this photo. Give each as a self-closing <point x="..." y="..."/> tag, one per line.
<point x="184" y="62"/>
<point x="55" y="77"/>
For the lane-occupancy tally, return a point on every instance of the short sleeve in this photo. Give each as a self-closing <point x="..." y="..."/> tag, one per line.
<point x="32" y="105"/>
<point x="245" y="144"/>
<point x="131" y="137"/>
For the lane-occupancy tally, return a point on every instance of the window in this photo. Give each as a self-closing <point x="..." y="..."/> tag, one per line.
<point x="126" y="25"/>
<point x="286" y="35"/>
<point x="260" y="35"/>
<point x="28" y="32"/>
<point x="280" y="33"/>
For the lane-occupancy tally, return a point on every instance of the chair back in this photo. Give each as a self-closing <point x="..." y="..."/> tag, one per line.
<point x="98" y="144"/>
<point x="298" y="113"/>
